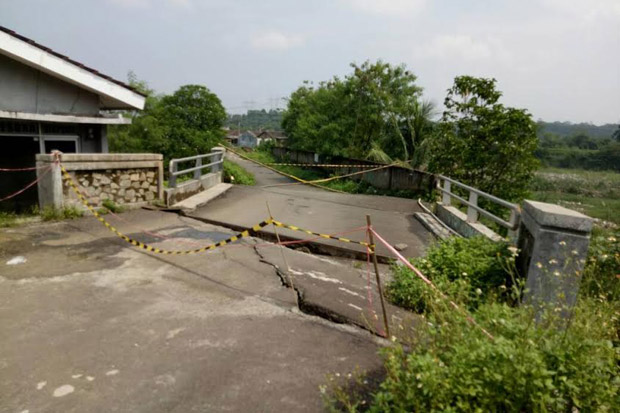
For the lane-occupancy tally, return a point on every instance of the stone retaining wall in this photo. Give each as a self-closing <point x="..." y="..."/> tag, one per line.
<point x="122" y="186"/>
<point x="125" y="179"/>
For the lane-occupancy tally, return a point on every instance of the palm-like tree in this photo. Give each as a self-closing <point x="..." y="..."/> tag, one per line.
<point x="421" y="127"/>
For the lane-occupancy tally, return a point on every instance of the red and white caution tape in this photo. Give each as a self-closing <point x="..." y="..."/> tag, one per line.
<point x="430" y="283"/>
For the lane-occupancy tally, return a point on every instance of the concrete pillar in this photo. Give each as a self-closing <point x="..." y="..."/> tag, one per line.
<point x="554" y="243"/>
<point x="218" y="167"/>
<point x="49" y="186"/>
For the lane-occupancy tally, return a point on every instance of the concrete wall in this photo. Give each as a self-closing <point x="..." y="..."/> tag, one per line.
<point x="457" y="220"/>
<point x="24" y="89"/>
<point x="392" y="178"/>
<point x="126" y="179"/>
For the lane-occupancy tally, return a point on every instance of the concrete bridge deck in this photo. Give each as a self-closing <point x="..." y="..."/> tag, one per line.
<point x="317" y="210"/>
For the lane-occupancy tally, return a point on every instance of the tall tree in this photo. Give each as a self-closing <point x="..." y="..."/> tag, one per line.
<point x="186" y="123"/>
<point x="483" y="143"/>
<point x="372" y="112"/>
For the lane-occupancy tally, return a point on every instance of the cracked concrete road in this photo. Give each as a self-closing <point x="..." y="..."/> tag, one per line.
<point x="91" y="324"/>
<point x="317" y="210"/>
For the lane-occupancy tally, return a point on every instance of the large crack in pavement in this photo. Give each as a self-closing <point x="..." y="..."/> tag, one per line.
<point x="333" y="291"/>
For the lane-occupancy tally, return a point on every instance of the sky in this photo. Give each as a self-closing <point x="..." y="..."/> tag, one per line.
<point x="560" y="59"/>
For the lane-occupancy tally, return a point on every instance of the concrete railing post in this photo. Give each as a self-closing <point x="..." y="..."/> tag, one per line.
<point x="172" y="179"/>
<point x="446" y="199"/>
<point x="198" y="172"/>
<point x="554" y="244"/>
<point x="472" y="213"/>
<point x="220" y="157"/>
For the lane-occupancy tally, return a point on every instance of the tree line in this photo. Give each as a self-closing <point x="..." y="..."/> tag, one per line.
<point x="580" y="150"/>
<point x="378" y="112"/>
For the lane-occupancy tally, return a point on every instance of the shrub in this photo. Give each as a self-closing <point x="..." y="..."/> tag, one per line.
<point x="466" y="269"/>
<point x="528" y="367"/>
<point x="602" y="271"/>
<point x="235" y="174"/>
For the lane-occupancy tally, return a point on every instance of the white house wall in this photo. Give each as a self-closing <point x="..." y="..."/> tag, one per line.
<point x="113" y="96"/>
<point x="24" y="89"/>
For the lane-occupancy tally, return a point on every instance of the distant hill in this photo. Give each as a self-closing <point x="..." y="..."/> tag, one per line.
<point x="256" y="119"/>
<point x="566" y="129"/>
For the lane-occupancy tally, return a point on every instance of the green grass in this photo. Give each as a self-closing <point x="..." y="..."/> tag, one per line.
<point x="236" y="174"/>
<point x="55" y="214"/>
<point x="8" y="219"/>
<point x="112" y="206"/>
<point x="594" y="193"/>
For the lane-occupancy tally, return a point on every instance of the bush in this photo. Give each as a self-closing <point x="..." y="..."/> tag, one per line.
<point x="466" y="269"/>
<point x="602" y="271"/>
<point x="527" y="368"/>
<point x="235" y="174"/>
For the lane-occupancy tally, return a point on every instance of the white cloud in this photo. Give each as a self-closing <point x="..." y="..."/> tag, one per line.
<point x="587" y="9"/>
<point x="131" y="3"/>
<point x="274" y="40"/>
<point x="388" y="7"/>
<point x="148" y="3"/>
<point x="462" y="47"/>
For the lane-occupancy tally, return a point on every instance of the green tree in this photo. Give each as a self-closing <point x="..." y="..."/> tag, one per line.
<point x="186" y="123"/>
<point x="191" y="120"/>
<point x="483" y="143"/>
<point x="616" y="134"/>
<point x="373" y="112"/>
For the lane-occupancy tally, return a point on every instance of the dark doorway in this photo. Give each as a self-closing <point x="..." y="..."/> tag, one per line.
<point x="64" y="146"/>
<point x="18" y="152"/>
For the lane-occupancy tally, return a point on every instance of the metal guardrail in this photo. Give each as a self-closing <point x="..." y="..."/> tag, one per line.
<point x="473" y="209"/>
<point x="214" y="165"/>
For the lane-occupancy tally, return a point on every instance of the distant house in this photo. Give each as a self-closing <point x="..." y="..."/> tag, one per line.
<point x="232" y="137"/>
<point x="247" y="139"/>
<point x="49" y="101"/>
<point x="276" y="137"/>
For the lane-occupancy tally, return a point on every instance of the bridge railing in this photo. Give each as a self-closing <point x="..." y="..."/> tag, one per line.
<point x="216" y="158"/>
<point x="473" y="209"/>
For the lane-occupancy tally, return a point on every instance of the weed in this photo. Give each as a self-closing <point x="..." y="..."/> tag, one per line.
<point x="112" y="206"/>
<point x="8" y="219"/>
<point x="50" y="213"/>
<point x="236" y="174"/>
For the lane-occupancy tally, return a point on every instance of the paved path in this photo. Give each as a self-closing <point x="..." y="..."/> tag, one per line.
<point x="317" y="210"/>
<point x="90" y="324"/>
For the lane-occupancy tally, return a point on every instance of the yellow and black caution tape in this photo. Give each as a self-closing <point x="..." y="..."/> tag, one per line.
<point x="341" y="239"/>
<point x="149" y="248"/>
<point x="234" y="238"/>
<point x="324" y="165"/>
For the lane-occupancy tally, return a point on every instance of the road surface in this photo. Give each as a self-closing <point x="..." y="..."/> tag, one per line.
<point x="317" y="210"/>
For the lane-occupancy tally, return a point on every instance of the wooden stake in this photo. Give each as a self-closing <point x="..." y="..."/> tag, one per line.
<point x="374" y="260"/>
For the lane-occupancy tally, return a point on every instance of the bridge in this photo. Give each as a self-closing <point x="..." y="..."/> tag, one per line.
<point x="117" y="322"/>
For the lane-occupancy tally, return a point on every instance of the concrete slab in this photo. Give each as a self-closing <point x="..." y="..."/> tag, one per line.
<point x="89" y="323"/>
<point x="433" y="225"/>
<point x="202" y="198"/>
<point x="338" y="292"/>
<point x="317" y="210"/>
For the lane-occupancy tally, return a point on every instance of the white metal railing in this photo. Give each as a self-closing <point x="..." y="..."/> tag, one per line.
<point x="473" y="209"/>
<point x="217" y="158"/>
